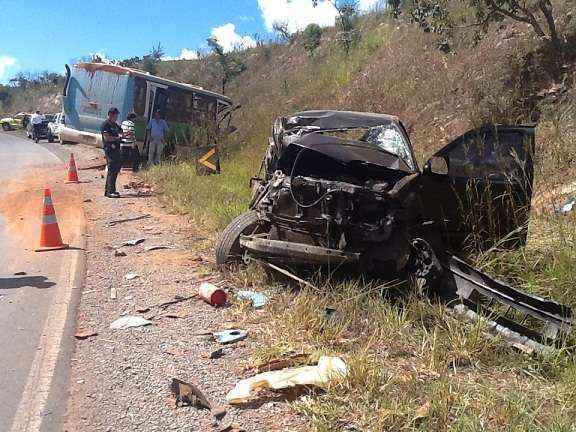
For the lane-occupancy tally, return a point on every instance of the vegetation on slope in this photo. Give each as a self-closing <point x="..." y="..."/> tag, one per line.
<point x="413" y="366"/>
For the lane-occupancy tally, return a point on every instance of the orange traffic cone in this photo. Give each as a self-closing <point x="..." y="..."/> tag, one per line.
<point x="72" y="172"/>
<point x="50" y="238"/>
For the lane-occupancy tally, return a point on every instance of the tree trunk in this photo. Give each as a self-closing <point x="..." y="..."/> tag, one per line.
<point x="546" y="8"/>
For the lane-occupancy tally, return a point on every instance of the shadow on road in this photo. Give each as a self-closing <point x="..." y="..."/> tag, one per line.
<point x="40" y="282"/>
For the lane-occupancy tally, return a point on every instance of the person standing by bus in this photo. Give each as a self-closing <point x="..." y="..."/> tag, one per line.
<point x="128" y="147"/>
<point x="111" y="138"/>
<point x="157" y="128"/>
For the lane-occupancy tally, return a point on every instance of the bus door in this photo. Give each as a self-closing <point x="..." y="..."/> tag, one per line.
<point x="156" y="98"/>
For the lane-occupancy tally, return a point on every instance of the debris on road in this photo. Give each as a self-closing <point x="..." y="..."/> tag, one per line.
<point x="119" y="253"/>
<point x="215" y="354"/>
<point x="211" y="294"/>
<point x="20" y="273"/>
<point x="567" y="207"/>
<point x="131" y="276"/>
<point x="230" y="336"/>
<point x="329" y="369"/>
<point x="129" y="321"/>
<point x="258" y="299"/>
<point x="113" y="293"/>
<point x="187" y="394"/>
<point x="232" y="427"/>
<point x="134" y="242"/>
<point x="133" y="219"/>
<point x="157" y="247"/>
<point x="177" y="299"/>
<point x="85" y="334"/>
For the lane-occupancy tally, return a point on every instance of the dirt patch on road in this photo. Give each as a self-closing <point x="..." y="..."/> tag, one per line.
<point x="121" y="378"/>
<point x="21" y="205"/>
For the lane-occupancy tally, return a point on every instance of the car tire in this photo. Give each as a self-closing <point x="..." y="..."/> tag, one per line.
<point x="228" y="249"/>
<point x="5" y="127"/>
<point x="50" y="138"/>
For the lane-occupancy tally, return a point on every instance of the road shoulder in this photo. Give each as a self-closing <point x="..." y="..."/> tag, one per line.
<point x="121" y="378"/>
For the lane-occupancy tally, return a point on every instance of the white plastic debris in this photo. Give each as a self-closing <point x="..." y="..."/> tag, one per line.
<point x="329" y="369"/>
<point x="131" y="276"/>
<point x="129" y="321"/>
<point x="134" y="242"/>
<point x="258" y="299"/>
<point x="567" y="207"/>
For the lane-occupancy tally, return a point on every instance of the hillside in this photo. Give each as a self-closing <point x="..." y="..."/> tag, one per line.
<point x="414" y="367"/>
<point x="396" y="69"/>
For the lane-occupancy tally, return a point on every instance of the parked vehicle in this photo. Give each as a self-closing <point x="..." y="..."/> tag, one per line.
<point x="343" y="189"/>
<point x="18" y="121"/>
<point x="43" y="131"/>
<point x="92" y="88"/>
<point x="55" y="126"/>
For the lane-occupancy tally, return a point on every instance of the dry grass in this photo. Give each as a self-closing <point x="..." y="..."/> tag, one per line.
<point x="412" y="365"/>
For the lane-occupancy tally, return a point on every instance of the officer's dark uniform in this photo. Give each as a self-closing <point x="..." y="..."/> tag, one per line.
<point x="113" y="155"/>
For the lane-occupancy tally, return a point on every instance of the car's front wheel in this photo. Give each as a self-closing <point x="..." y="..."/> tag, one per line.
<point x="50" y="138"/>
<point x="5" y="127"/>
<point x="228" y="248"/>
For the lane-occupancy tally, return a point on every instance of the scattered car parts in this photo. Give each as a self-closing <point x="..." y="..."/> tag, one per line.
<point x="344" y="189"/>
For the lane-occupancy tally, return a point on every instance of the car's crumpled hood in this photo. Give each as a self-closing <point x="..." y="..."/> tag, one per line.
<point x="346" y="152"/>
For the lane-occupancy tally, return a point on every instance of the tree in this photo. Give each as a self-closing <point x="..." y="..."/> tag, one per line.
<point x="150" y="61"/>
<point x="345" y="22"/>
<point x="281" y="29"/>
<point x="539" y="14"/>
<point x="312" y="37"/>
<point x="432" y="16"/>
<point x="230" y="63"/>
<point x="395" y="7"/>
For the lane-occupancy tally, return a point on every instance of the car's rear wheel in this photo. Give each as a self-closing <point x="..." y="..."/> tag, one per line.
<point x="228" y="249"/>
<point x="5" y="127"/>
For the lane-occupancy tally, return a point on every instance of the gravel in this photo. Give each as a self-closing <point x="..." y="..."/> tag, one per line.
<point x="120" y="379"/>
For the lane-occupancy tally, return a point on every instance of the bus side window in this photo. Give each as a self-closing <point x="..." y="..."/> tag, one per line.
<point x="140" y="96"/>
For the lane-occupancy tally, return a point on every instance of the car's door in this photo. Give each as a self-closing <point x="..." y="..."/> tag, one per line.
<point x="479" y="187"/>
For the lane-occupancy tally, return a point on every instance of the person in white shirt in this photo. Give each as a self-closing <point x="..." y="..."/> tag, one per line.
<point x="128" y="146"/>
<point x="36" y="120"/>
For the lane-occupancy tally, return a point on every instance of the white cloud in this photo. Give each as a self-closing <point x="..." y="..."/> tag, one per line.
<point x="185" y="54"/>
<point x="299" y="13"/>
<point x="227" y="37"/>
<point x="366" y="5"/>
<point x="296" y="13"/>
<point x="6" y="62"/>
<point x="101" y="55"/>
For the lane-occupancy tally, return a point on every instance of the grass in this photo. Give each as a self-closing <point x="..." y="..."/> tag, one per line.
<point x="413" y="366"/>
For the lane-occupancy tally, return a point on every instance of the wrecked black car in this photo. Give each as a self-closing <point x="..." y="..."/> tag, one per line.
<point x="345" y="189"/>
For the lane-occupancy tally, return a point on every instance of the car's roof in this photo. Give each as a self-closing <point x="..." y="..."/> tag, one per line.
<point x="329" y="119"/>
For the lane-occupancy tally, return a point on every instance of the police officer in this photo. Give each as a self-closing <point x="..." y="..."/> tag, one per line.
<point x="111" y="138"/>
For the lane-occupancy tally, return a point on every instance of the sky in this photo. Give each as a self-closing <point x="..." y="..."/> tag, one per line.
<point x="41" y="35"/>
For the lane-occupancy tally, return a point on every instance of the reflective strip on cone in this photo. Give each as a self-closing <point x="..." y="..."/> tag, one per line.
<point x="49" y="219"/>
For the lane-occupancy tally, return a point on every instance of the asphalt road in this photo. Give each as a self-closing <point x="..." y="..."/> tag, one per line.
<point x="27" y="283"/>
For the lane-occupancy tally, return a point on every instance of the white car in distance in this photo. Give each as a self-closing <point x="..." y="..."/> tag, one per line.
<point x="55" y="126"/>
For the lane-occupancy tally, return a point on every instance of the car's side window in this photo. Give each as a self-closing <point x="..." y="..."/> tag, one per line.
<point x="486" y="154"/>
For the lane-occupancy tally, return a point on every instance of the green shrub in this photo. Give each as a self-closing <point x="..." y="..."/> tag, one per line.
<point x="312" y="38"/>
